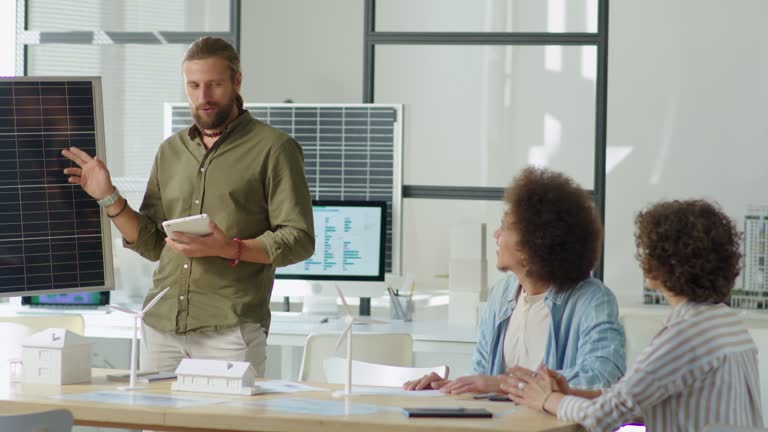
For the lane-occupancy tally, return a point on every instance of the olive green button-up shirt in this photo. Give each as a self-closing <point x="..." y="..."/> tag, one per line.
<point x="251" y="183"/>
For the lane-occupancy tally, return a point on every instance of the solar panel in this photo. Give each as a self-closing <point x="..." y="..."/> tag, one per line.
<point x="351" y="152"/>
<point x="53" y="237"/>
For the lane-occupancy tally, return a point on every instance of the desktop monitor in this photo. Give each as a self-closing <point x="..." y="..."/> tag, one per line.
<point x="349" y="252"/>
<point x="76" y="299"/>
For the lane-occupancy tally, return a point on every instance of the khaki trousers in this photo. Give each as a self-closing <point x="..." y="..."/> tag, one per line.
<point x="162" y="352"/>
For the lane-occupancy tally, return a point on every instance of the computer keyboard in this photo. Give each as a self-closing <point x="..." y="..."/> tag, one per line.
<point x="61" y="309"/>
<point x="299" y="318"/>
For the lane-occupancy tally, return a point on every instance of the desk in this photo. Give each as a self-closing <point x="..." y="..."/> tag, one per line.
<point x="428" y="336"/>
<point x="22" y="398"/>
<point x="434" y="342"/>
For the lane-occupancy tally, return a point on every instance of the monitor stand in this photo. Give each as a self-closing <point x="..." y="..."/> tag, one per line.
<point x="316" y="288"/>
<point x="365" y="306"/>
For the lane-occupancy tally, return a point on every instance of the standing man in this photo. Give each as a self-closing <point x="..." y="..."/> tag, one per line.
<point x="249" y="178"/>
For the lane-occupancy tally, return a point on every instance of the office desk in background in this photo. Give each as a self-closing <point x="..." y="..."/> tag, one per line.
<point x="428" y="336"/>
<point x="23" y="398"/>
<point x="434" y="342"/>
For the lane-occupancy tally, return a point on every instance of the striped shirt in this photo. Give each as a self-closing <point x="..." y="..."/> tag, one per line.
<point x="700" y="369"/>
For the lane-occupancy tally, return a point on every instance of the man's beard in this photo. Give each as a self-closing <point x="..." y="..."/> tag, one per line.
<point x="220" y="116"/>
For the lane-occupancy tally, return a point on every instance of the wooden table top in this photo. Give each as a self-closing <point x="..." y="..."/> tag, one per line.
<point x="240" y="413"/>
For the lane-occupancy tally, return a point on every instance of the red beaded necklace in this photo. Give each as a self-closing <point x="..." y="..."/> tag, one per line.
<point x="211" y="135"/>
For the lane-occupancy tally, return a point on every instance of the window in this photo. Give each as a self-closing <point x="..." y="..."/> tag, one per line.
<point x="44" y="355"/>
<point x="136" y="47"/>
<point x="488" y="87"/>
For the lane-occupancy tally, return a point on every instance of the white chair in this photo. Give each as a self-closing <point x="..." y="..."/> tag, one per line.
<point x="372" y="374"/>
<point x="760" y="336"/>
<point x="394" y="349"/>
<point x="46" y="421"/>
<point x="639" y="330"/>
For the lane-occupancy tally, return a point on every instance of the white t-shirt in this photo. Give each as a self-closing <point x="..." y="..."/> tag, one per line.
<point x="526" y="337"/>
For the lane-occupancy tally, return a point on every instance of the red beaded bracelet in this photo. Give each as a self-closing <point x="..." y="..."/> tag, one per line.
<point x="239" y="254"/>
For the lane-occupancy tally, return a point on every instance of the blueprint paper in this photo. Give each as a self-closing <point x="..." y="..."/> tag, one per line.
<point x="135" y="398"/>
<point x="395" y="391"/>
<point x="283" y="386"/>
<point x="316" y="407"/>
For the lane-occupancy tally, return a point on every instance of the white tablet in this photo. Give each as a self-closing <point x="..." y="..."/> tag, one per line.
<point x="194" y="225"/>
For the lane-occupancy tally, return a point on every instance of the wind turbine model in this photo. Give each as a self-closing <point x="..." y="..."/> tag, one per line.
<point x="137" y="315"/>
<point x="351" y="320"/>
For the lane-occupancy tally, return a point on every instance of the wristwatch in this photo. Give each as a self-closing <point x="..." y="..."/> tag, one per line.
<point x="111" y="199"/>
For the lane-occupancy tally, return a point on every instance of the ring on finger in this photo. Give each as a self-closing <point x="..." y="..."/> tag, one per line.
<point x="521" y="386"/>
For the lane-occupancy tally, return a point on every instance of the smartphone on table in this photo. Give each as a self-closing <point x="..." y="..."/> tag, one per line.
<point x="447" y="412"/>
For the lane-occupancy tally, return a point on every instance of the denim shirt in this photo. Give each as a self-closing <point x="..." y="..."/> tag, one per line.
<point x="585" y="342"/>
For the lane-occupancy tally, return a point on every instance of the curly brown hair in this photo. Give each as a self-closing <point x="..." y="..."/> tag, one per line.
<point x="691" y="247"/>
<point x="557" y="224"/>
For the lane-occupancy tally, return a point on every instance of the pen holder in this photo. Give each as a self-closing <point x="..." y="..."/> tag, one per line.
<point x="401" y="307"/>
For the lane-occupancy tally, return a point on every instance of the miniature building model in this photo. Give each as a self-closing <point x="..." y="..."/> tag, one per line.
<point x="467" y="272"/>
<point x="755" y="292"/>
<point x="215" y="376"/>
<point x="56" y="356"/>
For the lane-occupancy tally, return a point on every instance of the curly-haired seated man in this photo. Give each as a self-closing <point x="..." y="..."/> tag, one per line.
<point x="548" y="309"/>
<point x="701" y="368"/>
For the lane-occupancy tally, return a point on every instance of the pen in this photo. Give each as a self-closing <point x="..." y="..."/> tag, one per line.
<point x="396" y="303"/>
<point x="399" y="307"/>
<point x="499" y="398"/>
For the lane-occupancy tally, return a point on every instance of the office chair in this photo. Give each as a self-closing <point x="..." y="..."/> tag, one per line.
<point x="46" y="421"/>
<point x="372" y="374"/>
<point x="392" y="349"/>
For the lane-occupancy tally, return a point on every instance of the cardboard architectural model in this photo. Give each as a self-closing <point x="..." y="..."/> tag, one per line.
<point x="216" y="376"/>
<point x="56" y="356"/>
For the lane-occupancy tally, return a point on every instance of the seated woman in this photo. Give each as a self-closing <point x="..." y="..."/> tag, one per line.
<point x="548" y="309"/>
<point x="702" y="366"/>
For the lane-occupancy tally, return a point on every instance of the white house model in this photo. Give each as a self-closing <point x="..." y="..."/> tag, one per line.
<point x="215" y="376"/>
<point x="56" y="356"/>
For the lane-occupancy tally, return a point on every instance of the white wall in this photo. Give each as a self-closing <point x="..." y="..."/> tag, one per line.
<point x="303" y="50"/>
<point x="688" y="84"/>
<point x="686" y="110"/>
<point x="466" y="108"/>
<point x="7" y="38"/>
